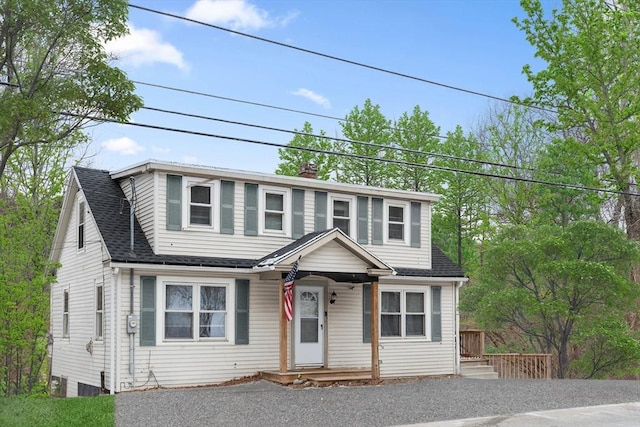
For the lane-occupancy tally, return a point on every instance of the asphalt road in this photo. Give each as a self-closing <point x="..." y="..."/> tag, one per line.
<point x="265" y="404"/>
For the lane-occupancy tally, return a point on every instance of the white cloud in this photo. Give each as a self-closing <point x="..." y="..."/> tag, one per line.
<point x="190" y="159"/>
<point x="125" y="146"/>
<point x="313" y="97"/>
<point x="145" y="47"/>
<point x="236" y="14"/>
<point x="160" y="150"/>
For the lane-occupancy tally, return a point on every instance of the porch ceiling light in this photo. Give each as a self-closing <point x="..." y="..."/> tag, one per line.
<point x="332" y="298"/>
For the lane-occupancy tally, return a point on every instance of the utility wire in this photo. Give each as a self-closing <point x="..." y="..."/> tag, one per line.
<point x="503" y="165"/>
<point x="350" y="141"/>
<point x="340" y="59"/>
<point x="413" y="151"/>
<point x="356" y="156"/>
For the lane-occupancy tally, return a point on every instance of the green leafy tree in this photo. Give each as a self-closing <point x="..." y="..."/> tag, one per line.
<point x="291" y="159"/>
<point x="54" y="77"/>
<point x="591" y="51"/>
<point x="416" y="136"/>
<point x="367" y="125"/>
<point x="562" y="205"/>
<point x="556" y="286"/>
<point x="511" y="137"/>
<point x="460" y="217"/>
<point x="54" y="72"/>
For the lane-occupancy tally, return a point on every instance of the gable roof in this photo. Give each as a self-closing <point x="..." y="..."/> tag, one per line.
<point x="314" y="241"/>
<point x="110" y="209"/>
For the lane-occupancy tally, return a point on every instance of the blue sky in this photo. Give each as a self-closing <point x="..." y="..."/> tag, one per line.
<point x="466" y="43"/>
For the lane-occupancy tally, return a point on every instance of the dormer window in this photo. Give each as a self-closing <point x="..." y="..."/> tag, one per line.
<point x="396" y="223"/>
<point x="200" y="207"/>
<point x="342" y="215"/>
<point x="274" y="211"/>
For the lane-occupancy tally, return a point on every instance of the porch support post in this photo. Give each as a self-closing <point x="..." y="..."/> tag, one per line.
<point x="375" y="359"/>
<point x="283" y="329"/>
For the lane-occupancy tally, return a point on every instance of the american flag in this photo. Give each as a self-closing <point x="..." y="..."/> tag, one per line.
<point x="288" y="290"/>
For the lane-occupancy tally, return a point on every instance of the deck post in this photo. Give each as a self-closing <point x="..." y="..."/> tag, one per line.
<point x="375" y="358"/>
<point x="283" y="329"/>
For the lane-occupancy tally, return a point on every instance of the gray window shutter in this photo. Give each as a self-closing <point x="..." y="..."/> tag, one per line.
<point x="251" y="209"/>
<point x="436" y="314"/>
<point x="147" y="310"/>
<point x="378" y="208"/>
<point x="174" y="202"/>
<point x="363" y="220"/>
<point x="366" y="313"/>
<point x="415" y="224"/>
<point x="320" y="223"/>
<point x="298" y="213"/>
<point x="227" y="191"/>
<point x="242" y="311"/>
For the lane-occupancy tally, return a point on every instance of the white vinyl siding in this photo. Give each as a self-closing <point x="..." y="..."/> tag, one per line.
<point x="197" y="242"/>
<point x="415" y="357"/>
<point x="145" y="203"/>
<point x="178" y="363"/>
<point x="78" y="276"/>
<point x="345" y="346"/>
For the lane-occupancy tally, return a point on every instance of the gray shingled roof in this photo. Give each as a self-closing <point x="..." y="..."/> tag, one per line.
<point x="110" y="209"/>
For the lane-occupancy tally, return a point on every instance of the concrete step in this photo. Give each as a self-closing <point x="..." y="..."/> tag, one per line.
<point x="479" y="370"/>
<point x="482" y="376"/>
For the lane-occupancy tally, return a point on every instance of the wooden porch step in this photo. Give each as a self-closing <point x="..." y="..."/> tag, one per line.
<point x="322" y="375"/>
<point x="339" y="378"/>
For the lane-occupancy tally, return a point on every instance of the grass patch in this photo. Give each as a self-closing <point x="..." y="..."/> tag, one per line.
<point x="45" y="411"/>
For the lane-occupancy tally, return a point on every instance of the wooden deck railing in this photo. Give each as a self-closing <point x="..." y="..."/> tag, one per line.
<point x="508" y="365"/>
<point x="521" y="366"/>
<point x="471" y="343"/>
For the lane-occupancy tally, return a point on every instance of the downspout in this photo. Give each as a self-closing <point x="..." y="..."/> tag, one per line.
<point x="112" y="330"/>
<point x="456" y="325"/>
<point x="132" y="321"/>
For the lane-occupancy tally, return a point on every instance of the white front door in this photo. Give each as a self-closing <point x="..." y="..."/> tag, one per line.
<point x="309" y="326"/>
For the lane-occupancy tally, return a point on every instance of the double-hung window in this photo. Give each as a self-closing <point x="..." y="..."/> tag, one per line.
<point x="65" y="313"/>
<point x="99" y="311"/>
<point x="201" y="205"/>
<point x="81" y="220"/>
<point x="275" y="211"/>
<point x="397" y="222"/>
<point x="402" y="314"/>
<point x="342" y="213"/>
<point x="195" y="311"/>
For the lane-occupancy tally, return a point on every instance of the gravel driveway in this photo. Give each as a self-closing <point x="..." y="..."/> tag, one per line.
<point x="265" y="404"/>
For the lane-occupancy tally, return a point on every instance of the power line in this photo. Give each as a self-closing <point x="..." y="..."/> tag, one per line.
<point x="351" y="141"/>
<point x="357" y="156"/>
<point x="198" y="116"/>
<point x="380" y="146"/>
<point x="340" y="59"/>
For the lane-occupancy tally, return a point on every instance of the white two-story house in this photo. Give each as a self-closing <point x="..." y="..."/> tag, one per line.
<point x="190" y="290"/>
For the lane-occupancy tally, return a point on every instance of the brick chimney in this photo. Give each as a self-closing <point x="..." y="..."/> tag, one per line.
<point x="308" y="170"/>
